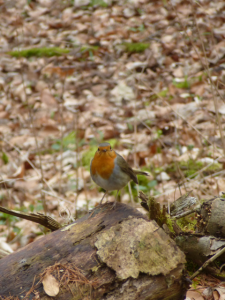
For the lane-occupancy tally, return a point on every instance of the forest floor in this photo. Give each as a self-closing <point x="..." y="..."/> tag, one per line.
<point x="147" y="76"/>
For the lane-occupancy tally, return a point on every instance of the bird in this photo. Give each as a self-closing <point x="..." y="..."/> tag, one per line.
<point x="110" y="171"/>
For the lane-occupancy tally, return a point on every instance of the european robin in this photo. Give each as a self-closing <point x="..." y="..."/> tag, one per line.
<point x="110" y="170"/>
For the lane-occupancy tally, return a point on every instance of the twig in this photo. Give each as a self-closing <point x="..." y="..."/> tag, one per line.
<point x="186" y="213"/>
<point x="41" y="219"/>
<point x="220" y="252"/>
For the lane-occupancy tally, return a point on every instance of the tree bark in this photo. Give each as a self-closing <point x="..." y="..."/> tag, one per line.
<point x="109" y="254"/>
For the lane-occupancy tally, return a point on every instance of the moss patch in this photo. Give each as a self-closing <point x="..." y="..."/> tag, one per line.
<point x="100" y="3"/>
<point x="187" y="223"/>
<point x="135" y="47"/>
<point x="39" y="52"/>
<point x="192" y="166"/>
<point x="5" y="158"/>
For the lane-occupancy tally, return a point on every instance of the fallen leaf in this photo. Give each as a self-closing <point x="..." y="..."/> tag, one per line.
<point x="218" y="52"/>
<point x="122" y="91"/>
<point x="51" y="285"/>
<point x="221" y="291"/>
<point x="48" y="99"/>
<point x="194" y="295"/>
<point x="19" y="172"/>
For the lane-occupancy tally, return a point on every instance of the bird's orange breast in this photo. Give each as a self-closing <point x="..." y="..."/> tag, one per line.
<point x="103" y="164"/>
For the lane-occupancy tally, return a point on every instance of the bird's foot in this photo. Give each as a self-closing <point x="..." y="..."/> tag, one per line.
<point x="114" y="205"/>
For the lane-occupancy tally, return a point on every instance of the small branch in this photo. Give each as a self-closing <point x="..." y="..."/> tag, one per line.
<point x="220" y="252"/>
<point x="41" y="219"/>
<point x="186" y="213"/>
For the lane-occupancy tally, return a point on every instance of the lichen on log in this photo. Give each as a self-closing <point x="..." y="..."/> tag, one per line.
<point x="120" y="255"/>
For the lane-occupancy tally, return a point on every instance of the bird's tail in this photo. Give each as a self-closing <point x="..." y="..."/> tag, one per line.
<point x="137" y="172"/>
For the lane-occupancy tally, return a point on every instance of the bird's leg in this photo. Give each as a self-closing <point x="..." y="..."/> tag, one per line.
<point x="103" y="197"/>
<point x="99" y="204"/>
<point x="114" y="204"/>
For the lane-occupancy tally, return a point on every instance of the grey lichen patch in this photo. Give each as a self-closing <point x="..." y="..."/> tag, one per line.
<point x="137" y="245"/>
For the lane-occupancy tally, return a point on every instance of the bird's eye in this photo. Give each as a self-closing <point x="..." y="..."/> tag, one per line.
<point x="98" y="149"/>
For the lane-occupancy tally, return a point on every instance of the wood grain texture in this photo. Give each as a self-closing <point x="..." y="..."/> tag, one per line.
<point x="79" y="244"/>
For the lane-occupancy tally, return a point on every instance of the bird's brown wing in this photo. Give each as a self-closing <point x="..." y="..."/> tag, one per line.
<point x="137" y="172"/>
<point x="126" y="168"/>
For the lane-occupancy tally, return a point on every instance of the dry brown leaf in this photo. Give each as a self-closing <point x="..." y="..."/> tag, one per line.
<point x="221" y="291"/>
<point x="18" y="140"/>
<point x="218" y="52"/>
<point x="48" y="99"/>
<point x="109" y="132"/>
<point x="29" y="186"/>
<point x="90" y="90"/>
<point x="19" y="172"/>
<point x="19" y="93"/>
<point x="216" y="295"/>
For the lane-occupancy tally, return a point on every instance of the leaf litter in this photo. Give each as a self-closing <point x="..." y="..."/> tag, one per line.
<point x="160" y="103"/>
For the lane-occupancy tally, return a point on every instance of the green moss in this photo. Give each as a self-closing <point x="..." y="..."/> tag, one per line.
<point x="135" y="47"/>
<point x="100" y="3"/>
<point x="187" y="223"/>
<point x="89" y="49"/>
<point x="170" y="225"/>
<point x="138" y="29"/>
<point x="192" y="166"/>
<point x="185" y="84"/>
<point x="39" y="52"/>
<point x="163" y="93"/>
<point x="215" y="167"/>
<point x="95" y="3"/>
<point x="5" y="158"/>
<point x="221" y="275"/>
<point x="142" y="244"/>
<point x="160" y="94"/>
<point x="155" y="212"/>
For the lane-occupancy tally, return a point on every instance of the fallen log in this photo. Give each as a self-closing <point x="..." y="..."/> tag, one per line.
<point x="108" y="254"/>
<point x="205" y="246"/>
<point x="210" y="219"/>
